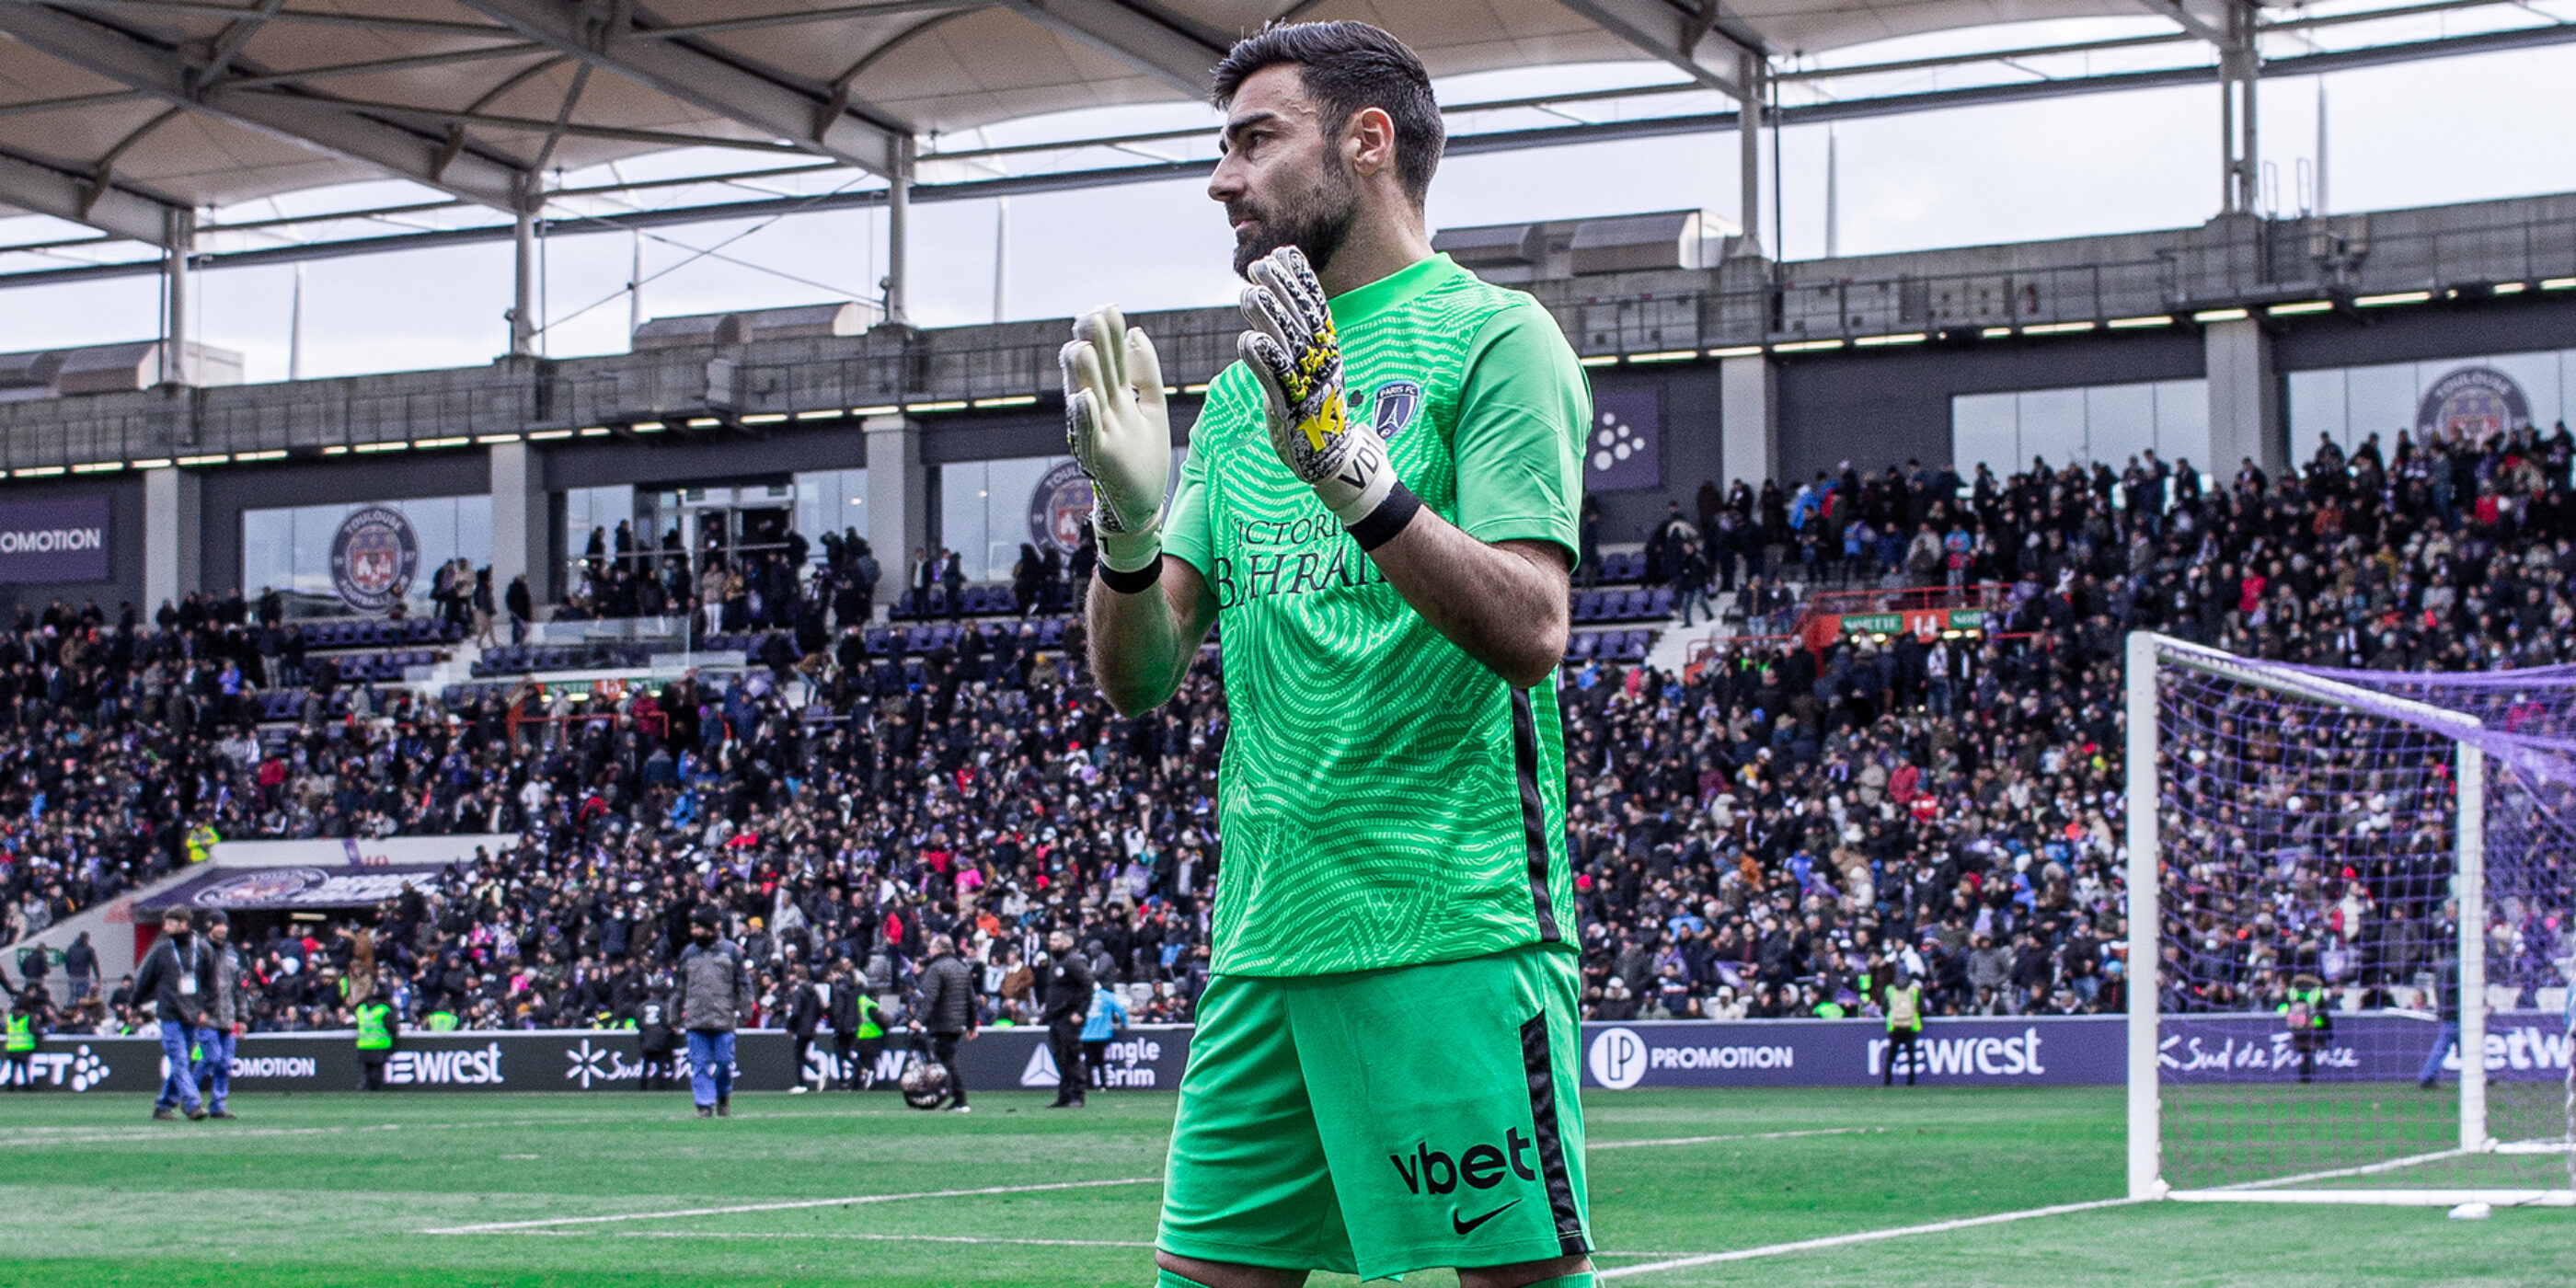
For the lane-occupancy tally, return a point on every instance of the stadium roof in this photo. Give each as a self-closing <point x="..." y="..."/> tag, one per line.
<point x="121" y="113"/>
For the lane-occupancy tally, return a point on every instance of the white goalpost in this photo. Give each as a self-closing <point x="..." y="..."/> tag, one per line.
<point x="2294" y="836"/>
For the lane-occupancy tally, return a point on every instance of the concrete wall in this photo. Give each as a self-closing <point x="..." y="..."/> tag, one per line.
<point x="2511" y="324"/>
<point x="1881" y="407"/>
<point x="669" y="460"/>
<point x="1690" y="397"/>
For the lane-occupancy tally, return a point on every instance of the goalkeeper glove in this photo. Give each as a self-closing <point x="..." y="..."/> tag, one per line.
<point x="1120" y="434"/>
<point x="1295" y="354"/>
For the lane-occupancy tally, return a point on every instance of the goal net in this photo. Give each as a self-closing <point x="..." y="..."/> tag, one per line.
<point x="2350" y="901"/>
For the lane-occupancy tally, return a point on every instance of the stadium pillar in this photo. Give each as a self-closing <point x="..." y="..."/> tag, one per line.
<point x="1748" y="421"/>
<point x="898" y="499"/>
<point x="170" y="536"/>
<point x="520" y="545"/>
<point x="2238" y="68"/>
<point x="1748" y="136"/>
<point x="523" y="306"/>
<point x="2244" y="399"/>
<point x="898" y="228"/>
<point x="182" y="230"/>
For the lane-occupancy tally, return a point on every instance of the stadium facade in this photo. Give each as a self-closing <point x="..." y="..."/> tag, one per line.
<point x="2227" y="341"/>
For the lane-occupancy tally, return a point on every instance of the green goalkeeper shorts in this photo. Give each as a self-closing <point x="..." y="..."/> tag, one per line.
<point x="1383" y="1121"/>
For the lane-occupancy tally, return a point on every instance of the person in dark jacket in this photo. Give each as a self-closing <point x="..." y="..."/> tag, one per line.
<point x="80" y="969"/>
<point x="178" y="974"/>
<point x="947" y="1011"/>
<point x="522" y="607"/>
<point x="224" y="1009"/>
<point x="653" y="1034"/>
<point x="804" y="1015"/>
<point x="1065" y="1004"/>
<point x="714" y="990"/>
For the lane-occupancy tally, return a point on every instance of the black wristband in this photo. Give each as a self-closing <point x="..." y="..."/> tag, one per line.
<point x="1129" y="583"/>
<point x="1388" y="519"/>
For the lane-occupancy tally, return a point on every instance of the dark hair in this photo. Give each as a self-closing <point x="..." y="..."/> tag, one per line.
<point x="1347" y="66"/>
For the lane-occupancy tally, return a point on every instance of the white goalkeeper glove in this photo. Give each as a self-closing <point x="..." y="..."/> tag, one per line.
<point x="1295" y="354"/>
<point x="1120" y="434"/>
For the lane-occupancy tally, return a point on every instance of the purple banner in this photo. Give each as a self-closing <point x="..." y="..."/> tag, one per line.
<point x="1625" y="449"/>
<point x="2378" y="1047"/>
<point x="2000" y="1051"/>
<point x="347" y="886"/>
<point x="54" y="541"/>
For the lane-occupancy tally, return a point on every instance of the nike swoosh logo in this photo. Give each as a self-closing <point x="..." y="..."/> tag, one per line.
<point x="1469" y="1227"/>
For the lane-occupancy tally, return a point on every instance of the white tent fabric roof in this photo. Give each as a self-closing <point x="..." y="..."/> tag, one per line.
<point x="115" y="109"/>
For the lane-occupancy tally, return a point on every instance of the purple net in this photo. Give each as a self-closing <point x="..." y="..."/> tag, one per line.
<point x="2308" y="832"/>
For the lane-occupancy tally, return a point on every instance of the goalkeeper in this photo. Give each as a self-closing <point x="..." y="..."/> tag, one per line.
<point x="1380" y="506"/>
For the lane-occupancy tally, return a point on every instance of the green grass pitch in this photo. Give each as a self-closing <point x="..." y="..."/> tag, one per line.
<point x="345" y="1189"/>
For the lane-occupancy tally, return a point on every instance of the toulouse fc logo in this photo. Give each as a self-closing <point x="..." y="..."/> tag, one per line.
<point x="373" y="557"/>
<point x="1060" y="507"/>
<point x="2474" y="402"/>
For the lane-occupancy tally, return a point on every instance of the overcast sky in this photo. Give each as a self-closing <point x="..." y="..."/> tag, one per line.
<point x="2457" y="130"/>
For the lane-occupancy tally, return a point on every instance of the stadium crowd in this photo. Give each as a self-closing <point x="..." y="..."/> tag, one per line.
<point x="1772" y="832"/>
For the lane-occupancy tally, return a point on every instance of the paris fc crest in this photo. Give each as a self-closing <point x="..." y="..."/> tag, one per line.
<point x="1392" y="407"/>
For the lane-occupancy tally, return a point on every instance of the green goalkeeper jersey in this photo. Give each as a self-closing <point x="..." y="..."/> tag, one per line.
<point x="1385" y="799"/>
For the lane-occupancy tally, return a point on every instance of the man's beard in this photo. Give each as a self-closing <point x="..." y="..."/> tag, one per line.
<point x="1316" y="224"/>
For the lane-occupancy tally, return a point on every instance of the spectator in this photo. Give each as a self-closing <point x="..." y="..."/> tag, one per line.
<point x="178" y="974"/>
<point x="713" y="992"/>
<point x="1066" y="1005"/>
<point x="1107" y="1017"/>
<point x="223" y="1017"/>
<point x="946" y="1012"/>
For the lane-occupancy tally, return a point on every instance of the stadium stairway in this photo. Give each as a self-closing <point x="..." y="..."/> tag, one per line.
<point x="110" y="926"/>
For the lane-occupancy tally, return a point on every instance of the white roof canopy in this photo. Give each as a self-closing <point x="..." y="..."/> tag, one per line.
<point x="120" y="112"/>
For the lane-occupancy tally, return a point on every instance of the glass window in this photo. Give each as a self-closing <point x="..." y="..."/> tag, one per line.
<point x="1983" y="430"/>
<point x="2374" y="398"/>
<point x="586" y="508"/>
<point x="2105" y="423"/>
<point x="2119" y="422"/>
<point x="2182" y="422"/>
<point x="2052" y="427"/>
<point x="268" y="551"/>
<point x="831" y="501"/>
<point x="290" y="548"/>
<point x="984" y="511"/>
<point x="2317" y="407"/>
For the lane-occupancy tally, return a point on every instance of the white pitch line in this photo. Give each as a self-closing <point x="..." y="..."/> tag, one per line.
<point x="2366" y="1169"/>
<point x="1846" y="1240"/>
<point x="40" y="1137"/>
<point x="789" y="1205"/>
<point x="1759" y="1135"/>
<point x="829" y="1234"/>
<point x="197" y="1133"/>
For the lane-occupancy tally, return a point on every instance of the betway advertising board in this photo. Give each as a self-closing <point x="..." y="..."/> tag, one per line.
<point x="2057" y="1051"/>
<point x="1143" y="1059"/>
<point x="1982" y="1052"/>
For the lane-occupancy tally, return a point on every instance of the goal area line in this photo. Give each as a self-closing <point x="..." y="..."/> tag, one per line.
<point x="2291" y="1189"/>
<point x="2384" y="1198"/>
